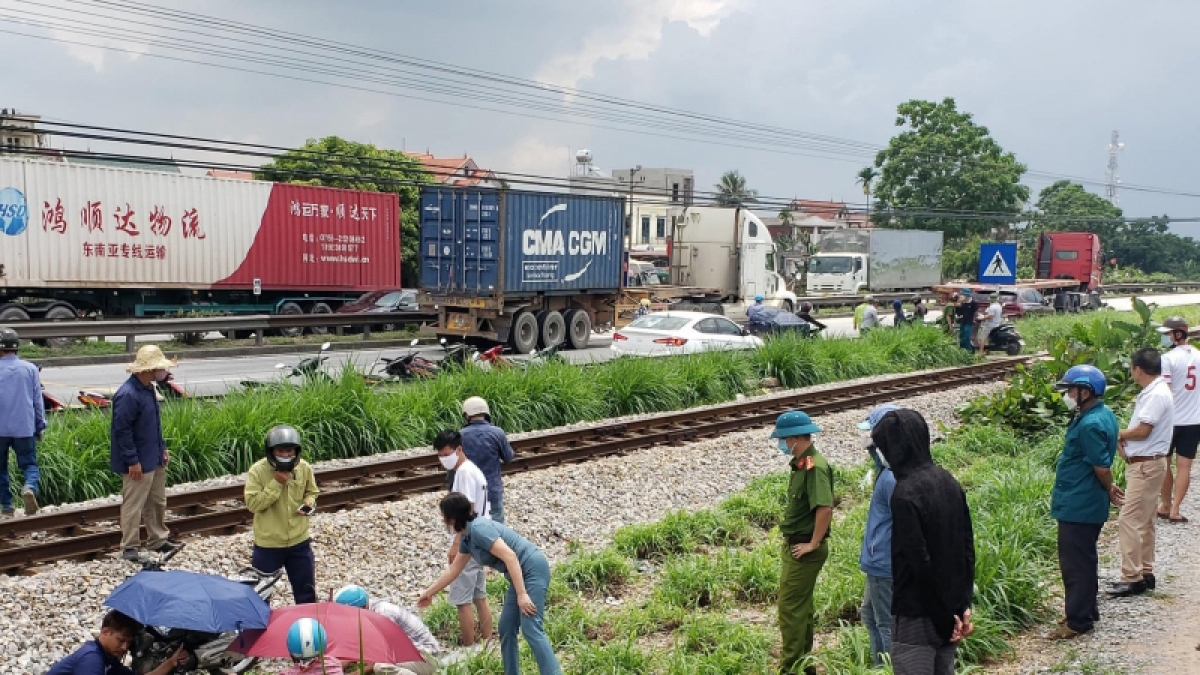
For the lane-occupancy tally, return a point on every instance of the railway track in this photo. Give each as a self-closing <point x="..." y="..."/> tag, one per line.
<point x="85" y="533"/>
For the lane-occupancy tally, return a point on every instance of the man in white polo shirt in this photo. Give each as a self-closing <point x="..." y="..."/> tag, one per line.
<point x="1144" y="445"/>
<point x="469" y="591"/>
<point x="1181" y="369"/>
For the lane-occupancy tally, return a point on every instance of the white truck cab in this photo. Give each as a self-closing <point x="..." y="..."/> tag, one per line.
<point x="726" y="249"/>
<point x="837" y="273"/>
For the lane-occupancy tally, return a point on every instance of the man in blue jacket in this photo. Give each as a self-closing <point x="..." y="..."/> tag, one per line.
<point x="1083" y="490"/>
<point x="22" y="423"/>
<point x="105" y="654"/>
<point x="875" y="559"/>
<point x="138" y="453"/>
<point x="487" y="447"/>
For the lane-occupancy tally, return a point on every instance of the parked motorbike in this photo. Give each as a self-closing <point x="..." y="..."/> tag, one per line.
<point x="49" y="401"/>
<point x="167" y="389"/>
<point x="207" y="652"/>
<point x="1005" y="338"/>
<point x="457" y="354"/>
<point x="494" y="358"/>
<point x="94" y="399"/>
<point x="409" y="366"/>
<point x="308" y="370"/>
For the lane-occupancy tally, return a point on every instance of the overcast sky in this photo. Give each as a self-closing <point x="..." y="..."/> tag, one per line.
<point x="1051" y="80"/>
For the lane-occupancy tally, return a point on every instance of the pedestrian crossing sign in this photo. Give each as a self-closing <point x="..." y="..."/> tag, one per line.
<point x="998" y="263"/>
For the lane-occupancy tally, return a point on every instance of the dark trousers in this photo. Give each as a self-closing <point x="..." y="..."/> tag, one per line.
<point x="1080" y="565"/>
<point x="918" y="650"/>
<point x="300" y="565"/>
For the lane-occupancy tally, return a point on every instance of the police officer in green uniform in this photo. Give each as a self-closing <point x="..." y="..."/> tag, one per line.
<point x="805" y="530"/>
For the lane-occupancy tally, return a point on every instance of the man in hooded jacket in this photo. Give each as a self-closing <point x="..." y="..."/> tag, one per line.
<point x="933" y="550"/>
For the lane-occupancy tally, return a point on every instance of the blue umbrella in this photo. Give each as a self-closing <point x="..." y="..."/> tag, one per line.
<point x="178" y="599"/>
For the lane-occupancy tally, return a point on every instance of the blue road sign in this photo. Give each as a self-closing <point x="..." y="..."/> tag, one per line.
<point x="998" y="263"/>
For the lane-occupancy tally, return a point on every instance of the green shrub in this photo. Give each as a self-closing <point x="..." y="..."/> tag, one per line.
<point x="599" y="571"/>
<point x="671" y="535"/>
<point x="694" y="581"/>
<point x="613" y="658"/>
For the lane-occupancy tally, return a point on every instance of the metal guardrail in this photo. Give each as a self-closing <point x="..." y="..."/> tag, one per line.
<point x="256" y="323"/>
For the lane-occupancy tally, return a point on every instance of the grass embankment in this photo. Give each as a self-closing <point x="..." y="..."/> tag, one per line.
<point x="696" y="591"/>
<point x="175" y="347"/>
<point x="1039" y="332"/>
<point x="350" y="419"/>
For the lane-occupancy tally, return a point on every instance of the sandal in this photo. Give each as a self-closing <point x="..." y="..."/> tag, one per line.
<point x="1180" y="519"/>
<point x="1164" y="516"/>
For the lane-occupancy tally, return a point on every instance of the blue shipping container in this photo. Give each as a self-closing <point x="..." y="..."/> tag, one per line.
<point x="483" y="242"/>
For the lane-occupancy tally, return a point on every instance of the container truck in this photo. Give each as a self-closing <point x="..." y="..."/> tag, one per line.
<point x="860" y="260"/>
<point x="725" y="252"/>
<point x="524" y="268"/>
<point x="1075" y="256"/>
<point x="93" y="240"/>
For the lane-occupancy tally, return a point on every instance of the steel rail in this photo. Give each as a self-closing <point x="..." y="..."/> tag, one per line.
<point x="85" y="533"/>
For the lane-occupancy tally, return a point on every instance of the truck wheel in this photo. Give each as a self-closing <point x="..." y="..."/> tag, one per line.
<point x="524" y="335"/>
<point x="1013" y="349"/>
<point x="320" y="308"/>
<point x="684" y="307"/>
<point x="553" y="328"/>
<point x="13" y="314"/>
<point x="291" y="309"/>
<point x="59" y="313"/>
<point x="579" y="329"/>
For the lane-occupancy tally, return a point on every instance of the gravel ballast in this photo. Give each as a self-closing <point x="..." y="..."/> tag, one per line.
<point x="395" y="549"/>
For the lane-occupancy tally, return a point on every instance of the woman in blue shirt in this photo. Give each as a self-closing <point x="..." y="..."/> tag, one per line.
<point x="492" y="544"/>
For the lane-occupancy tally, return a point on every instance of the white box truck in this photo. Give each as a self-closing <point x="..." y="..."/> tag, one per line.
<point x="853" y="261"/>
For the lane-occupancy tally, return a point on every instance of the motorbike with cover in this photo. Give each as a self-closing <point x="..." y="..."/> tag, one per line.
<point x="207" y="652"/>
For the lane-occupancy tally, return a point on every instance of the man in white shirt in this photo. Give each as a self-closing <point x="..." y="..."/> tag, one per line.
<point x="870" y="317"/>
<point x="992" y="316"/>
<point x="1181" y="368"/>
<point x="1144" y="445"/>
<point x="470" y="588"/>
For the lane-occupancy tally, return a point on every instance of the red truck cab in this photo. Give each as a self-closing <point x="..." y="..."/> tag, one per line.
<point x="1071" y="255"/>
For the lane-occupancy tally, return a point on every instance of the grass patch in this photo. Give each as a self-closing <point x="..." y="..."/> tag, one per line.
<point x="346" y="418"/>
<point x="602" y="571"/>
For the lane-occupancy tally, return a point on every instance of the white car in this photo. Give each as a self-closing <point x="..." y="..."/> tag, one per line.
<point x="662" y="333"/>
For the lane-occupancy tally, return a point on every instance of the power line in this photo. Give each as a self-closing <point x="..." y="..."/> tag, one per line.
<point x="815" y="142"/>
<point x="390" y="180"/>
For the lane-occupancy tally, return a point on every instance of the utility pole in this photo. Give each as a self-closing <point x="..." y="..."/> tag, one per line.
<point x="629" y="223"/>
<point x="1111" y="176"/>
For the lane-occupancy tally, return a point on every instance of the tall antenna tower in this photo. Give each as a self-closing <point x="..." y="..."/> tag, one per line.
<point x="1111" y="176"/>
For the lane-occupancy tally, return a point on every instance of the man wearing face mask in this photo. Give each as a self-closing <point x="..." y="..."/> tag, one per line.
<point x="138" y="452"/>
<point x="933" y="550"/>
<point x="1180" y="368"/>
<point x="875" y="558"/>
<point x="469" y="588"/>
<point x="805" y="530"/>
<point x="281" y="492"/>
<point x="1083" y="490"/>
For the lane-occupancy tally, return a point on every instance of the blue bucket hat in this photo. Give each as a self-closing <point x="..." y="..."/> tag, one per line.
<point x="794" y="423"/>
<point x="875" y="415"/>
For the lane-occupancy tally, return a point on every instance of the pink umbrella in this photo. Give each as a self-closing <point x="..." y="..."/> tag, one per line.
<point x="382" y="640"/>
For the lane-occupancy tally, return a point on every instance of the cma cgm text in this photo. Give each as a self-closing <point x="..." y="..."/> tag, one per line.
<point x="552" y="242"/>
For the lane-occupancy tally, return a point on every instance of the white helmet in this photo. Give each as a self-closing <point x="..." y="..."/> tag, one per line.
<point x="475" y="406"/>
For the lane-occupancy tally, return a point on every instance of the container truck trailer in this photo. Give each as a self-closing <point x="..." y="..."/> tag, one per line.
<point x="522" y="268"/>
<point x="93" y="240"/>
<point x="861" y="260"/>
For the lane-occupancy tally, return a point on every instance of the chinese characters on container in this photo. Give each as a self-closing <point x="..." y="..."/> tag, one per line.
<point x="91" y="220"/>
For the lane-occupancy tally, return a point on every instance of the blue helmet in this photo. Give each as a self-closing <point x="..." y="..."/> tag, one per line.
<point x="1084" y="376"/>
<point x="794" y="423"/>
<point x="355" y="596"/>
<point x="758" y="298"/>
<point x="306" y="639"/>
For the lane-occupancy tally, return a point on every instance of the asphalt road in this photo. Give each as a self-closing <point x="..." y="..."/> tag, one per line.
<point x="206" y="377"/>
